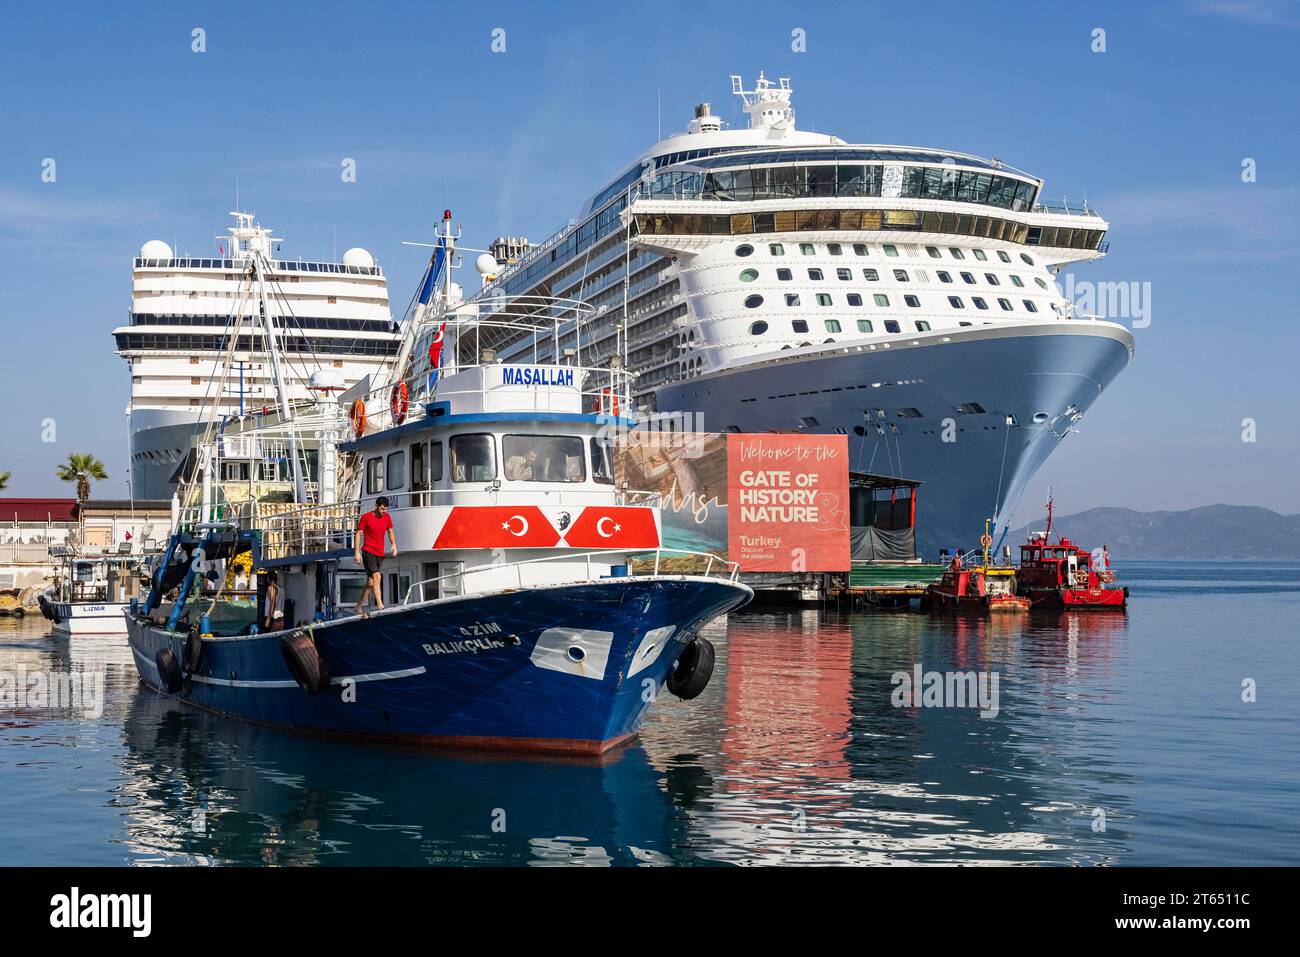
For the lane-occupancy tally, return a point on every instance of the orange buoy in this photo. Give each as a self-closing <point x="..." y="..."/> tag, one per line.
<point x="400" y="403"/>
<point x="358" y="417"/>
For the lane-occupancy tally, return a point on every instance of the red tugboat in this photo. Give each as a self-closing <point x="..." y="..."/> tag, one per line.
<point x="1061" y="576"/>
<point x="980" y="589"/>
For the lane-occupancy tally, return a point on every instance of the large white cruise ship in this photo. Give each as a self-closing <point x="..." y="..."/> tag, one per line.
<point x="327" y="315"/>
<point x="774" y="279"/>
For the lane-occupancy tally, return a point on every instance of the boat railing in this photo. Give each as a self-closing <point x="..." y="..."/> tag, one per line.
<point x="290" y="530"/>
<point x="552" y="494"/>
<point x="727" y="570"/>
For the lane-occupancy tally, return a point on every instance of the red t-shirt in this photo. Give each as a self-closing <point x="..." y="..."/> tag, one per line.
<point x="373" y="528"/>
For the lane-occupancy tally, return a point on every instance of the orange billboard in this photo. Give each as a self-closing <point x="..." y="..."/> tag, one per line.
<point x="788" y="502"/>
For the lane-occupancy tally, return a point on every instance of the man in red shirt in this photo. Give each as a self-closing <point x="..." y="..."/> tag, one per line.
<point x="370" y="549"/>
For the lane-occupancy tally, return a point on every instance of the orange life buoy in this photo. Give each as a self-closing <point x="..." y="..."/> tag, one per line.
<point x="986" y="540"/>
<point x="400" y="402"/>
<point x="1108" y="576"/>
<point x="608" y="402"/>
<point x="358" y="417"/>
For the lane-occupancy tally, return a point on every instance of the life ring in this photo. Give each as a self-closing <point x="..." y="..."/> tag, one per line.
<point x="1108" y="576"/>
<point x="169" y="670"/>
<point x="400" y="402"/>
<point x="358" y="416"/>
<point x="986" y="540"/>
<point x="694" y="668"/>
<point x="304" y="661"/>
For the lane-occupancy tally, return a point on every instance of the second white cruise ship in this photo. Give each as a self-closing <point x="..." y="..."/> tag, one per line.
<point x="770" y="278"/>
<point x="328" y="316"/>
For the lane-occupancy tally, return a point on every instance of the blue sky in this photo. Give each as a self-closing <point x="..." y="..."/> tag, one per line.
<point x="149" y="138"/>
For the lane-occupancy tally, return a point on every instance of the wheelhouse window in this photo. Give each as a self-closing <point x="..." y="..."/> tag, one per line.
<point x="543" y="458"/>
<point x="602" y="460"/>
<point x="473" y="458"/>
<point x="394" y="470"/>
<point x="375" y="476"/>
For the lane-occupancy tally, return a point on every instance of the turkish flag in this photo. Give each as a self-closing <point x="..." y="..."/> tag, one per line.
<point x="613" y="527"/>
<point x="497" y="526"/>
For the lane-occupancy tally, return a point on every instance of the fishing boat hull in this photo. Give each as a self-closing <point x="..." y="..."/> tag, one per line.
<point x="1080" y="599"/>
<point x="94" y="618"/>
<point x="943" y="600"/>
<point x="561" y="668"/>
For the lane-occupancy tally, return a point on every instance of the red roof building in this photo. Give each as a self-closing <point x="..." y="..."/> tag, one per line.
<point x="28" y="510"/>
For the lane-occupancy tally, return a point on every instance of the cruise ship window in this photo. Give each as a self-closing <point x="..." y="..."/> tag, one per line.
<point x="956" y="253"/>
<point x="815" y="275"/>
<point x="792" y="299"/>
<point x="748" y="275"/>
<point x="396" y="469"/>
<point x="890" y="250"/>
<point x="963" y="323"/>
<point x="859" y="249"/>
<point x="776" y="249"/>
<point x="979" y="302"/>
<point x="881" y="299"/>
<point x="1017" y="282"/>
<point x="1029" y="260"/>
<point x="922" y="326"/>
<point x="980" y="255"/>
<point x="374" y="475"/>
<point x="891" y="325"/>
<point x="543" y="458"/>
<point x="807" y="249"/>
<point x="744" y="249"/>
<point x="1002" y="254"/>
<point x="1005" y="304"/>
<point x="934" y="252"/>
<point x="1041" y="283"/>
<point x="753" y="302"/>
<point x="864" y="325"/>
<point x="968" y="278"/>
<point x="472" y="458"/>
<point x="901" y="275"/>
<point x="835" y="249"/>
<point x="1029" y="304"/>
<point x="832" y="325"/>
<point x="784" y="275"/>
<point x="944" y="276"/>
<point x="956" y="303"/>
<point x="799" y="325"/>
<point x="602" y="461"/>
<point x="870" y="275"/>
<point x="757" y="328"/>
<point x="993" y="280"/>
<point x="844" y="274"/>
<point x="823" y="299"/>
<point x="855" y="299"/>
<point x="912" y="301"/>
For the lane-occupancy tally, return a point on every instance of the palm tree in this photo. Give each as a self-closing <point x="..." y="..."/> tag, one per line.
<point x="81" y="468"/>
<point x="4" y="481"/>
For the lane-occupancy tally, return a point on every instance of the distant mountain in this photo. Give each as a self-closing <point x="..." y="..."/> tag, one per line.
<point x="1214" y="531"/>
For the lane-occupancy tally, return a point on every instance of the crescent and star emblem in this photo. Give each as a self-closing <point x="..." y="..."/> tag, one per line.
<point x="600" y="530"/>
<point x="523" y="526"/>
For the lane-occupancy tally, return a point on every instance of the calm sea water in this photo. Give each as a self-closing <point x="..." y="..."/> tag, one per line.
<point x="794" y="754"/>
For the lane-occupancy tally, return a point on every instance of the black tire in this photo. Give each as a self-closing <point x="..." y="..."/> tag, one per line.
<point x="193" y="652"/>
<point x="694" y="668"/>
<point x="19" y="612"/>
<point x="303" y="661"/>
<point x="169" y="671"/>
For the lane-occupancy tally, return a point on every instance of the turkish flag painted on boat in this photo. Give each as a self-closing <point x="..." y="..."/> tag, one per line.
<point x="497" y="526"/>
<point x="613" y="527"/>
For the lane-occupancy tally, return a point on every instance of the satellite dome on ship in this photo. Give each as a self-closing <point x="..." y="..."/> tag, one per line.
<point x="356" y="256"/>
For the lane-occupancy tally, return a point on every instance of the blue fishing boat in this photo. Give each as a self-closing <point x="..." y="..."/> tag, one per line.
<point x="530" y="607"/>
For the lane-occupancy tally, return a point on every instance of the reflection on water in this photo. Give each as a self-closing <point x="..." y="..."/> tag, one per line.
<point x="795" y="753"/>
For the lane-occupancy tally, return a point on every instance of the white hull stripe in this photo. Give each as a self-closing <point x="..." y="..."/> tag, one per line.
<point x="290" y="683"/>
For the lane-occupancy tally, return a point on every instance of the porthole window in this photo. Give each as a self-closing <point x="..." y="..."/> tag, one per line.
<point x="890" y="250"/>
<point x="799" y="325"/>
<point x="757" y="328"/>
<point x="1029" y="260"/>
<point x="753" y="302"/>
<point x="748" y="275"/>
<point x="881" y="299"/>
<point x="744" y="249"/>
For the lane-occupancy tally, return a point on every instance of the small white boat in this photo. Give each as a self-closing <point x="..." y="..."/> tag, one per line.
<point x="92" y="593"/>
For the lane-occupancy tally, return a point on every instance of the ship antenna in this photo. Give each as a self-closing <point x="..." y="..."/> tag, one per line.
<point x="1047" y="535"/>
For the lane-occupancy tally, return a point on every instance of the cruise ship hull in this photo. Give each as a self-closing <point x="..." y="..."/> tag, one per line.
<point x="160" y="439"/>
<point x="973" y="465"/>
